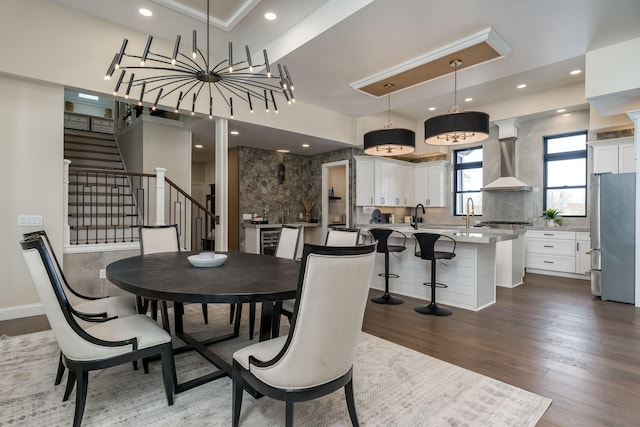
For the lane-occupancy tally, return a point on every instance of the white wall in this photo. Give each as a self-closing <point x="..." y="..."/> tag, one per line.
<point x="31" y="176"/>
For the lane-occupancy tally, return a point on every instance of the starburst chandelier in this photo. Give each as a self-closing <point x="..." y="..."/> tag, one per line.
<point x="159" y="76"/>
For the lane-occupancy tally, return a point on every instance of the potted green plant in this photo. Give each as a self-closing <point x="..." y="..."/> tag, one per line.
<point x="553" y="217"/>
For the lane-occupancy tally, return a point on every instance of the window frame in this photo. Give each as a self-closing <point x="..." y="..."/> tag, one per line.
<point x="463" y="166"/>
<point x="566" y="155"/>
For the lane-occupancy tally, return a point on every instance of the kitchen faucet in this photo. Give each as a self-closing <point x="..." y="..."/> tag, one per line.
<point x="415" y="216"/>
<point x="473" y="210"/>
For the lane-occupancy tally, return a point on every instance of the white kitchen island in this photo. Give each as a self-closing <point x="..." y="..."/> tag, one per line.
<point x="470" y="276"/>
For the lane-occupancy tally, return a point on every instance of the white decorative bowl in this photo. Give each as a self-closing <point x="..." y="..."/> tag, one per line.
<point x="216" y="261"/>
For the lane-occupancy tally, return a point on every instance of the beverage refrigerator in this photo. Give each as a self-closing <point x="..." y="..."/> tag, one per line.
<point x="613" y="236"/>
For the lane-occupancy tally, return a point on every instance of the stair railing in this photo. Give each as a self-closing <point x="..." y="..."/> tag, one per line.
<point x="109" y="206"/>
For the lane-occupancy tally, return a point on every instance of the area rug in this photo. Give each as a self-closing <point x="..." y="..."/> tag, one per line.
<point x="394" y="386"/>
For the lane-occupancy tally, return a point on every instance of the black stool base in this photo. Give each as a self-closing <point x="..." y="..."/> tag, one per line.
<point x="387" y="299"/>
<point x="434" y="310"/>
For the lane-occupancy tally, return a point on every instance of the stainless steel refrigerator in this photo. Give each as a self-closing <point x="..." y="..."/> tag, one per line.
<point x="613" y="233"/>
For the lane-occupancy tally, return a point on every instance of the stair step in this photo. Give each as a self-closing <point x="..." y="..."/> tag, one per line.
<point x="84" y="150"/>
<point x="76" y="204"/>
<point x="94" y="159"/>
<point x="98" y="168"/>
<point x="88" y="135"/>
<point x="101" y="215"/>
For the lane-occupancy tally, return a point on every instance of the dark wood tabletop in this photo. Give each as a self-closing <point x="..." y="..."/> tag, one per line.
<point x="242" y="278"/>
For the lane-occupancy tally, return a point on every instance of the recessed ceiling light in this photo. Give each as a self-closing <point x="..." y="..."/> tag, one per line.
<point x="566" y="114"/>
<point x="305" y="145"/>
<point x="574" y="72"/>
<point x="432" y="108"/>
<point x="198" y="146"/>
<point x="145" y="12"/>
<point x="561" y="110"/>
<point x="282" y="151"/>
<point x="468" y="99"/>
<point x="270" y="16"/>
<point x="521" y="86"/>
<point x="234" y="132"/>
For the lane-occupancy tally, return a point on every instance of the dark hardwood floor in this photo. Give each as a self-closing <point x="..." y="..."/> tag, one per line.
<point x="548" y="336"/>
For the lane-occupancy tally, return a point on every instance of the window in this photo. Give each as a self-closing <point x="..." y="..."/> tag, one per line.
<point x="565" y="173"/>
<point x="467" y="180"/>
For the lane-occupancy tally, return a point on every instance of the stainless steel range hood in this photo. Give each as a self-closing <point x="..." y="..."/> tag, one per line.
<point x="508" y="180"/>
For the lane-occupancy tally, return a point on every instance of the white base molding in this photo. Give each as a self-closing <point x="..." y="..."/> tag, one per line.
<point x="558" y="273"/>
<point x="20" y="311"/>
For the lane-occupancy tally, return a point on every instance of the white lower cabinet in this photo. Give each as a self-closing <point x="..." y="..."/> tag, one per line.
<point x="551" y="250"/>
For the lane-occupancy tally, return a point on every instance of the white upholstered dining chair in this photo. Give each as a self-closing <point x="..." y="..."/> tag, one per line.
<point x="90" y="307"/>
<point x="316" y="357"/>
<point x="107" y="343"/>
<point x="156" y="239"/>
<point x="343" y="237"/>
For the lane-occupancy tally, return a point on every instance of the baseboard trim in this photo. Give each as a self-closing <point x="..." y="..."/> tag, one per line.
<point x="20" y="311"/>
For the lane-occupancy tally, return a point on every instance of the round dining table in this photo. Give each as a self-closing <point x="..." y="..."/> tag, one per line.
<point x="243" y="278"/>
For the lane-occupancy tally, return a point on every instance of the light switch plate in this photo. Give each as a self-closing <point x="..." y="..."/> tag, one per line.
<point x="29" y="220"/>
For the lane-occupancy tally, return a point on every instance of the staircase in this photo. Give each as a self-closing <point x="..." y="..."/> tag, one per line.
<point x="102" y="208"/>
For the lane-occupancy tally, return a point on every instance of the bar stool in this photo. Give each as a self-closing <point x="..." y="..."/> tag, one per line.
<point x="382" y="236"/>
<point x="427" y="243"/>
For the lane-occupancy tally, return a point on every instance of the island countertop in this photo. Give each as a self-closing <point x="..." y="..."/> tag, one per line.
<point x="462" y="234"/>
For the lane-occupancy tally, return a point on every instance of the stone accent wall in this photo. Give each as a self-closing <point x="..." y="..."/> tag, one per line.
<point x="260" y="189"/>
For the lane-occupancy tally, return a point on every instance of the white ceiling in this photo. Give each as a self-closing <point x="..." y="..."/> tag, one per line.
<point x="329" y="44"/>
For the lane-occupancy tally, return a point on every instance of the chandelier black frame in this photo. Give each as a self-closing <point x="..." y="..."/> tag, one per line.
<point x="190" y="74"/>
<point x="389" y="141"/>
<point x="458" y="126"/>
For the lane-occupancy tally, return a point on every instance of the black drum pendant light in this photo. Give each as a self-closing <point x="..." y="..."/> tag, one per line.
<point x="389" y="141"/>
<point x="457" y="127"/>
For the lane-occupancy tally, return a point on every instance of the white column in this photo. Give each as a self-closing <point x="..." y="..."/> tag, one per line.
<point x="635" y="117"/>
<point x="160" y="174"/>
<point x="222" y="184"/>
<point x="66" y="233"/>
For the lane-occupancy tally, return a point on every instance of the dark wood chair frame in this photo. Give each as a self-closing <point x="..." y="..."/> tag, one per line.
<point x="242" y="376"/>
<point x="87" y="317"/>
<point x="143" y="304"/>
<point x="78" y="370"/>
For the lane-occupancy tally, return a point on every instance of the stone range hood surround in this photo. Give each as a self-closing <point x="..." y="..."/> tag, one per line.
<point x="507" y="135"/>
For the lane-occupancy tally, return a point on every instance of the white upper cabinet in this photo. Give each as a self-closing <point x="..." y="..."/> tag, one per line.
<point x="614" y="155"/>
<point x="430" y="183"/>
<point x="383" y="182"/>
<point x="365" y="178"/>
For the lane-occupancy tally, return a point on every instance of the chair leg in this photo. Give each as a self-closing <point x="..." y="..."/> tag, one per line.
<point x="168" y="372"/>
<point x="60" y="372"/>
<point x="252" y="319"/>
<point x="71" y="382"/>
<point x="81" y="396"/>
<point x="288" y="421"/>
<point x="387" y="298"/>
<point x="232" y="311"/>
<point x="145" y="365"/>
<point x="236" y="403"/>
<point x="351" y="403"/>
<point x="205" y="313"/>
<point x="433" y="308"/>
<point x="154" y="310"/>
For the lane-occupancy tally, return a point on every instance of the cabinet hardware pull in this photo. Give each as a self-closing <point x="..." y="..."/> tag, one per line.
<point x="548" y="246"/>
<point x="548" y="262"/>
<point x="549" y="234"/>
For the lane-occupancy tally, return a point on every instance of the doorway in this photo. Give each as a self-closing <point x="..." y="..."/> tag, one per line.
<point x="335" y="195"/>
